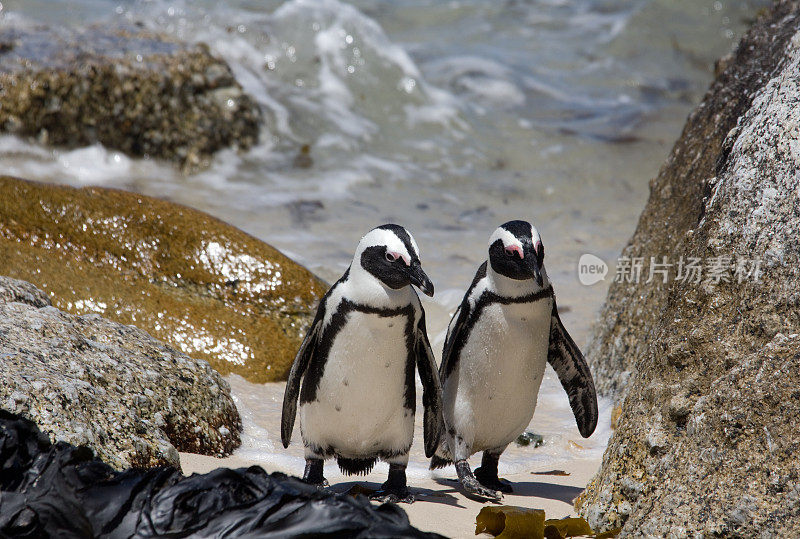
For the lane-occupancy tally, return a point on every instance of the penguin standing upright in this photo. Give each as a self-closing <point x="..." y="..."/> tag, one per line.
<point x="357" y="363"/>
<point x="498" y="342"/>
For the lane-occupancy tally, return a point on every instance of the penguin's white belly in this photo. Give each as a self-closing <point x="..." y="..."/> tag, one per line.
<point x="491" y="398"/>
<point x="359" y="408"/>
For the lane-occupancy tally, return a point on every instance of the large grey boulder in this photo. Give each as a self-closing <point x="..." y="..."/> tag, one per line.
<point x="708" y="439"/>
<point x="89" y="381"/>
<point x="138" y="92"/>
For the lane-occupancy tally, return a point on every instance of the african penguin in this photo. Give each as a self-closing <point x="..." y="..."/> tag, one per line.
<point x="498" y="342"/>
<point x="356" y="364"/>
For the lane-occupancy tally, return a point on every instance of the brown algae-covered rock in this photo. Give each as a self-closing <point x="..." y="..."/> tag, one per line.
<point x="190" y="280"/>
<point x="89" y="381"/>
<point x="707" y="441"/>
<point x="137" y="92"/>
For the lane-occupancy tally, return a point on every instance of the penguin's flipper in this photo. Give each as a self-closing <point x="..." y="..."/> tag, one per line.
<point x="567" y="360"/>
<point x="458" y="328"/>
<point x="301" y="361"/>
<point x="454" y="331"/>
<point x="431" y="389"/>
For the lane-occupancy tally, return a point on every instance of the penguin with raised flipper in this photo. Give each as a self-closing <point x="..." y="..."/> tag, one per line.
<point x="498" y="342"/>
<point x="356" y="364"/>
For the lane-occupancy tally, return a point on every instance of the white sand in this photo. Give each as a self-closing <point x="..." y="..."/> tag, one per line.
<point x="440" y="505"/>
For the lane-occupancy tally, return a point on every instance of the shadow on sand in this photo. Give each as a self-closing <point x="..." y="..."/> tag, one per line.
<point x="420" y="494"/>
<point x="538" y="489"/>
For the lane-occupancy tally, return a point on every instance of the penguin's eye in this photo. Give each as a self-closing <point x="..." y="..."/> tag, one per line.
<point x="391" y="257"/>
<point x="511" y="253"/>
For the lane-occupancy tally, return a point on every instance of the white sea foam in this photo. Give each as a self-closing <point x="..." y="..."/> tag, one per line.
<point x="11" y="146"/>
<point x="482" y="79"/>
<point x="90" y="165"/>
<point x="94" y="164"/>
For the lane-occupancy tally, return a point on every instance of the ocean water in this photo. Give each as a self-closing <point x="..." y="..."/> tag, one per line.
<point x="447" y="117"/>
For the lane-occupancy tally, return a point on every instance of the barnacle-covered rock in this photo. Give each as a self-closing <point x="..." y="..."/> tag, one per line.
<point x="138" y="92"/>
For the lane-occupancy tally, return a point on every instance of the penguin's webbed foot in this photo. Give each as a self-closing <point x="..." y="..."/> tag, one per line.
<point x="390" y="495"/>
<point x="320" y="485"/>
<point x="473" y="486"/>
<point x="394" y="490"/>
<point x="491" y="481"/>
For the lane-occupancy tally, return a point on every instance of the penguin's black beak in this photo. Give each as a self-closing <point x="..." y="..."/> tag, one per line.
<point x="533" y="266"/>
<point x="419" y="279"/>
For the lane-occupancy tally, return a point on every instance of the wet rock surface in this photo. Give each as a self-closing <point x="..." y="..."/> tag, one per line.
<point x="89" y="381"/>
<point x="191" y="281"/>
<point x="707" y="440"/>
<point x="62" y="491"/>
<point x="141" y="93"/>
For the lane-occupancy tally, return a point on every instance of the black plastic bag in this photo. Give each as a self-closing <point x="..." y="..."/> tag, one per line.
<point x="63" y="491"/>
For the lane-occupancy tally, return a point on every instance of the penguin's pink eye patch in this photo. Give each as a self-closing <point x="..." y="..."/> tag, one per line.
<point x="514" y="250"/>
<point x="391" y="256"/>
